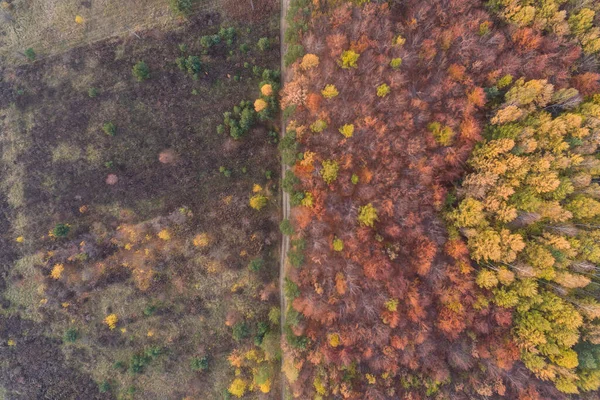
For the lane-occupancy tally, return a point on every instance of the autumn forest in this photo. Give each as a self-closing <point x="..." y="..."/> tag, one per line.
<point x="305" y="199"/>
<point x="444" y="178"/>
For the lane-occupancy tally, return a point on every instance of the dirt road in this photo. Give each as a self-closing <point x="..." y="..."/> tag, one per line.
<point x="285" y="197"/>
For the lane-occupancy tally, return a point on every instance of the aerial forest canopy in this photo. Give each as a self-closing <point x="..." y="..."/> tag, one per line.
<point x="446" y="208"/>
<point x="305" y="199"/>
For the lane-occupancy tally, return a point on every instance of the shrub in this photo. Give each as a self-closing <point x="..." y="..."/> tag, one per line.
<point x="329" y="91"/>
<point x="192" y="65"/>
<point x="71" y="335"/>
<point x="329" y="171"/>
<point x="104" y="387"/>
<point x="226" y="172"/>
<point x="264" y="44"/>
<point x="266" y="89"/>
<point x="289" y="182"/>
<point x="258" y="202"/>
<point x="237" y="387"/>
<point x="309" y="61"/>
<point x="240" y="331"/>
<point x="396" y="63"/>
<point x="199" y="363"/>
<point x="260" y="105"/>
<point x="349" y="59"/>
<point x="227" y="35"/>
<point x="294" y="52"/>
<point x="256" y="264"/>
<point x="288" y="147"/>
<point x="296" y="257"/>
<point x="209" y="41"/>
<point x="57" y="271"/>
<point x="367" y="215"/>
<point x="92" y="92"/>
<point x="347" y="130"/>
<point x="354" y="179"/>
<point x="318" y="126"/>
<point x="141" y="72"/>
<point x="286" y="227"/>
<point x="338" y="244"/>
<point x="383" y="90"/>
<point x="109" y="128"/>
<point x="61" y="230"/>
<point x="111" y="321"/>
<point x="505" y="81"/>
<point x="30" y="54"/>
<point x="443" y="135"/>
<point x="181" y="7"/>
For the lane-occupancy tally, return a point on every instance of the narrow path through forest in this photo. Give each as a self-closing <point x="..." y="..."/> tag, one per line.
<point x="285" y="197"/>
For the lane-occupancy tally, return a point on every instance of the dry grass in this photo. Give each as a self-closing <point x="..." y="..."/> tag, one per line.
<point x="49" y="27"/>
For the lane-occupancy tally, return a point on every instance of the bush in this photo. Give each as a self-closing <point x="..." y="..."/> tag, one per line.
<point x="109" y="128"/>
<point x="329" y="171"/>
<point x="349" y="59"/>
<point x="30" y="54"/>
<point x="61" y="230"/>
<point x="294" y="52"/>
<point x="347" y="130"/>
<point x="92" y="92"/>
<point x="104" y="387"/>
<point x="227" y="35"/>
<point x="209" y="41"/>
<point x="289" y="182"/>
<point x="258" y="202"/>
<point x="181" y="7"/>
<point x="318" y="126"/>
<point x="383" y="90"/>
<point x="71" y="335"/>
<point x="199" y="364"/>
<point x="225" y="171"/>
<point x="286" y="227"/>
<point x="256" y="264"/>
<point x="367" y="215"/>
<point x="192" y="65"/>
<point x="141" y="72"/>
<point x="264" y="44"/>
<point x="396" y="63"/>
<point x="240" y="331"/>
<point x="330" y="91"/>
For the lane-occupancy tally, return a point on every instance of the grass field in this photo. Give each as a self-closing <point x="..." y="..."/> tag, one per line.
<point x="127" y="230"/>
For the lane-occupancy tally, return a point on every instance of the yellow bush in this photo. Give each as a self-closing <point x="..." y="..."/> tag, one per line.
<point x="330" y="91"/>
<point x="111" y="320"/>
<point x="266" y="89"/>
<point x="338" y="244"/>
<point x="258" y="201"/>
<point x="383" y="90"/>
<point x="347" y="130"/>
<point x="309" y="61"/>
<point x="265" y="387"/>
<point x="237" y="387"/>
<point x="349" y="59"/>
<point x="256" y="188"/>
<point x="164" y="235"/>
<point x="334" y="340"/>
<point x="57" y="271"/>
<point x="201" y="240"/>
<point x="79" y="19"/>
<point x="367" y="215"/>
<point x="260" y="105"/>
<point x="20" y="239"/>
